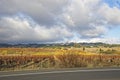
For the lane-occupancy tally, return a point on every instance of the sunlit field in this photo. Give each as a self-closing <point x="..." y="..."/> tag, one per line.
<point x="40" y="58"/>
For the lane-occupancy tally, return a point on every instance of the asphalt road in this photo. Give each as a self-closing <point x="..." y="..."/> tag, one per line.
<point x="64" y="74"/>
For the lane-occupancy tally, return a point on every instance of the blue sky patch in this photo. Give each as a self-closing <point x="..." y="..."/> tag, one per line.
<point x="113" y="3"/>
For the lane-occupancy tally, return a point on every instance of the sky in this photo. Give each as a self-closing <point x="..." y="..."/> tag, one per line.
<point x="51" y="21"/>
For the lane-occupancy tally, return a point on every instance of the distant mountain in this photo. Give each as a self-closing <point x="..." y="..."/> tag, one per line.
<point x="72" y="44"/>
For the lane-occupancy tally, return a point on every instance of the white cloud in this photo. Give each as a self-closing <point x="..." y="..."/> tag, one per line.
<point x="21" y="30"/>
<point x="93" y="40"/>
<point x="106" y="40"/>
<point x="81" y="16"/>
<point x="42" y="11"/>
<point x="110" y="15"/>
<point x="56" y="20"/>
<point x="91" y="18"/>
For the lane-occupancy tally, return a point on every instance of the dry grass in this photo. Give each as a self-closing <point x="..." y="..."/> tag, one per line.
<point x="39" y="58"/>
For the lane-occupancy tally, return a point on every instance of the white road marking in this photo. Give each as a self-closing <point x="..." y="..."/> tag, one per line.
<point x="53" y="72"/>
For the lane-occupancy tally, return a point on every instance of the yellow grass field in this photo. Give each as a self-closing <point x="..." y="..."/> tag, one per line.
<point x="39" y="58"/>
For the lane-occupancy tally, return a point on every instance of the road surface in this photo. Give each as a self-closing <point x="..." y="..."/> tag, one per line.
<point x="64" y="74"/>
